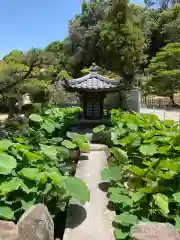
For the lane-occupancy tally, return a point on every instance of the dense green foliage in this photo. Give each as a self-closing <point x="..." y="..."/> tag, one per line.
<point x="30" y="72"/>
<point x="144" y="170"/>
<point x="164" y="70"/>
<point x="120" y="37"/>
<point x="34" y="164"/>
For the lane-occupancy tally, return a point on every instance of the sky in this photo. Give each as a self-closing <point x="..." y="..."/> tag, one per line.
<point x="35" y="23"/>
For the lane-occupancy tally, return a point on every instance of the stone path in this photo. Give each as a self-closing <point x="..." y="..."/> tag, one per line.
<point x="93" y="221"/>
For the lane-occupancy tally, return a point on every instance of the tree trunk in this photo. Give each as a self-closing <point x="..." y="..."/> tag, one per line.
<point x="12" y="106"/>
<point x="172" y="99"/>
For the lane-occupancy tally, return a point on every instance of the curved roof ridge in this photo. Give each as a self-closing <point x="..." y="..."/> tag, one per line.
<point x="91" y="75"/>
<point x="111" y="80"/>
<point x="80" y="79"/>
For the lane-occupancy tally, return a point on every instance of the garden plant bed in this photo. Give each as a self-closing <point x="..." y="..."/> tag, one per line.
<point x="143" y="171"/>
<point x="39" y="166"/>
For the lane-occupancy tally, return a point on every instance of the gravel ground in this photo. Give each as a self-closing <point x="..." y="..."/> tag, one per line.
<point x="3" y="117"/>
<point x="163" y="113"/>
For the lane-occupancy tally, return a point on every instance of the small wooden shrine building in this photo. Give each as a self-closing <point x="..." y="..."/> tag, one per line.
<point x="92" y="90"/>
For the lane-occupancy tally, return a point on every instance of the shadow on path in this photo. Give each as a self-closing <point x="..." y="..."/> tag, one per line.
<point x="103" y="186"/>
<point x="76" y="215"/>
<point x="83" y="157"/>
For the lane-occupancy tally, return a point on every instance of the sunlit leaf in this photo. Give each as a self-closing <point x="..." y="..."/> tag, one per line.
<point x="137" y="196"/>
<point x="176" y="197"/>
<point x="6" y="213"/>
<point x="162" y="202"/>
<point x="68" y="144"/>
<point x="126" y="219"/>
<point x="29" y="173"/>
<point x="111" y="174"/>
<point x="137" y="171"/>
<point x="7" y="164"/>
<point x="120" y="155"/>
<point x="5" y="144"/>
<point x="119" y="234"/>
<point x="35" y="118"/>
<point x="148" y="149"/>
<point x="177" y="220"/>
<point x="77" y="189"/>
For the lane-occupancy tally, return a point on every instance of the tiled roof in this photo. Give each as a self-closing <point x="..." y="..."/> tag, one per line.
<point x="92" y="81"/>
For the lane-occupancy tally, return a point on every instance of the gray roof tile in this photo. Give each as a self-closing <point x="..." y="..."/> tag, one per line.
<point x="92" y="81"/>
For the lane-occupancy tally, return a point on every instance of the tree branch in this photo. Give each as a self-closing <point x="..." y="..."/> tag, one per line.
<point x="7" y="85"/>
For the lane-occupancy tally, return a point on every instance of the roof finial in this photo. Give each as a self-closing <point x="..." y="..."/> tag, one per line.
<point x="93" y="68"/>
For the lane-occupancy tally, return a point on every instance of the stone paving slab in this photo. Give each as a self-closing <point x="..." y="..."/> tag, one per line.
<point x="92" y="221"/>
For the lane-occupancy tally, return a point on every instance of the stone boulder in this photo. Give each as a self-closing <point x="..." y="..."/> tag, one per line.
<point x="8" y="231"/>
<point x="154" y="231"/>
<point x="36" y="224"/>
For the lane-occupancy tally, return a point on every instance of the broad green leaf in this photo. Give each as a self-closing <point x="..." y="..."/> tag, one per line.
<point x="176" y="197"/>
<point x="63" y="151"/>
<point x="117" y="190"/>
<point x="77" y="189"/>
<point x="111" y="174"/>
<point x="21" y="147"/>
<point x="117" y="198"/>
<point x="137" y="171"/>
<point x="177" y="148"/>
<point x="7" y="164"/>
<point x="162" y="202"/>
<point x="29" y="173"/>
<point x="83" y="145"/>
<point x="35" y="118"/>
<point x="27" y="189"/>
<point x="132" y="126"/>
<point x="49" y="151"/>
<point x="9" y="186"/>
<point x="170" y="164"/>
<point x="56" y="177"/>
<point x="68" y="144"/>
<point x="48" y="187"/>
<point x="20" y="139"/>
<point x="48" y="126"/>
<point x="137" y="196"/>
<point x="119" y="234"/>
<point x="80" y="140"/>
<point x="32" y="156"/>
<point x="99" y="129"/>
<point x="42" y="177"/>
<point x="57" y="139"/>
<point x="5" y="144"/>
<point x="177" y="220"/>
<point x="163" y="149"/>
<point x="27" y="205"/>
<point x="148" y="149"/>
<point x="6" y="213"/>
<point x="126" y="219"/>
<point x="168" y="175"/>
<point x="119" y="154"/>
<point x="124" y="141"/>
<point x="146" y="190"/>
